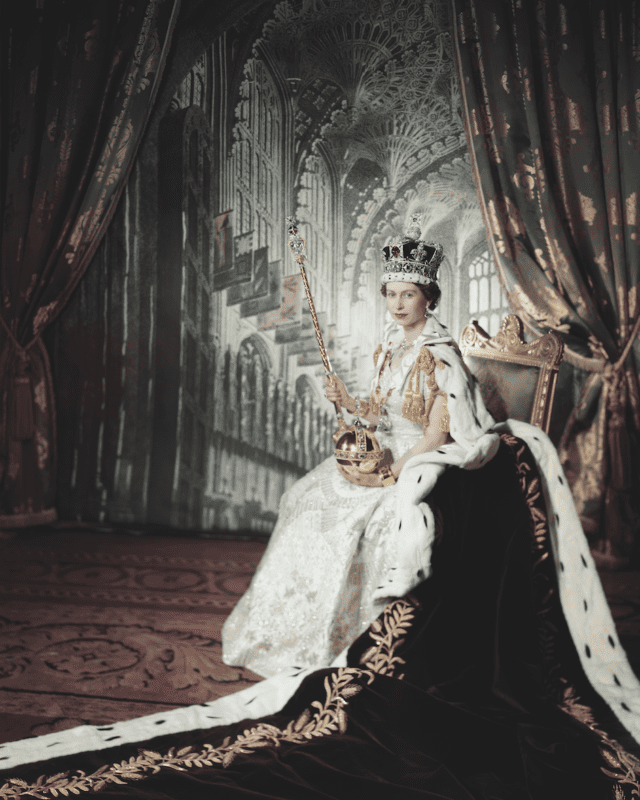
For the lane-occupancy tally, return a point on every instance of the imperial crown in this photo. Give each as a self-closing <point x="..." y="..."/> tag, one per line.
<point x="411" y="258"/>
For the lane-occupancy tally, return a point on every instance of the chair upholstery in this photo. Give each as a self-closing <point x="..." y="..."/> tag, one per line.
<point x="517" y="378"/>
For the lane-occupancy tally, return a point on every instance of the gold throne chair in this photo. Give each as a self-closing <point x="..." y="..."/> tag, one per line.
<point x="517" y="379"/>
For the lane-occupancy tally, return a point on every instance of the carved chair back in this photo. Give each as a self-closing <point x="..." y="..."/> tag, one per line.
<point x="517" y="378"/>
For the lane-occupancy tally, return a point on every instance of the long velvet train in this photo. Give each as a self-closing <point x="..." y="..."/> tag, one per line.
<point x="468" y="688"/>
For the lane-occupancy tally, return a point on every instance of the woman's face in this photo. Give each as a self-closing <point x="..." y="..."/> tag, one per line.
<point x="406" y="303"/>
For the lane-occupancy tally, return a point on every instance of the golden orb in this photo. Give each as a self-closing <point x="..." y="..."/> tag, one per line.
<point x="357" y="449"/>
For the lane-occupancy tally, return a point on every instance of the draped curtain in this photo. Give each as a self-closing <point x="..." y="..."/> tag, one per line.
<point x="78" y="82"/>
<point x="551" y="101"/>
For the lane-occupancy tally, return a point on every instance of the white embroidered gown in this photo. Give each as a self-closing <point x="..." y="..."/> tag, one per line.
<point x="317" y="586"/>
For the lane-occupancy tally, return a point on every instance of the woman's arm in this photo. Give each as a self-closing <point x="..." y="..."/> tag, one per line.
<point x="337" y="392"/>
<point x="432" y="439"/>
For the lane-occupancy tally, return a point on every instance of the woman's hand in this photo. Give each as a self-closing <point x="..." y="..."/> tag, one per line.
<point x="335" y="390"/>
<point x="372" y="479"/>
<point x="386" y="465"/>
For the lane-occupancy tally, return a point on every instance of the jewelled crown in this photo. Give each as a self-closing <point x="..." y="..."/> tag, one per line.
<point x="411" y="258"/>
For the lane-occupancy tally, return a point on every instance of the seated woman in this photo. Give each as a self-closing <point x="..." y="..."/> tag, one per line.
<point x="326" y="574"/>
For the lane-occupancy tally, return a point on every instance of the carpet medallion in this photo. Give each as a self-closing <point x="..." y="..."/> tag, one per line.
<point x="97" y="628"/>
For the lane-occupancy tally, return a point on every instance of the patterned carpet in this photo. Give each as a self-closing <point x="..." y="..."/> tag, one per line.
<point x="99" y="627"/>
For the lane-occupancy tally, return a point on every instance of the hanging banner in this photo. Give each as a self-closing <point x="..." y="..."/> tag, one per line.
<point x="300" y="330"/>
<point x="259" y="286"/>
<point x="223" y="271"/>
<point x="289" y="313"/>
<point x="272" y="300"/>
<point x="243" y="249"/>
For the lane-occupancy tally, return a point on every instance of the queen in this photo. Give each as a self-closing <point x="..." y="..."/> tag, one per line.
<point x="339" y="551"/>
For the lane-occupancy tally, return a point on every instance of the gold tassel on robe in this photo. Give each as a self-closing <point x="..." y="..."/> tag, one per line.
<point x="414" y="407"/>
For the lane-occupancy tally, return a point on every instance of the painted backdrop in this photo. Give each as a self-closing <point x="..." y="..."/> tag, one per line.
<point x="186" y="361"/>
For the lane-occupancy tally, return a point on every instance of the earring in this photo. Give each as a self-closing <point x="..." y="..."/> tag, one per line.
<point x="426" y="314"/>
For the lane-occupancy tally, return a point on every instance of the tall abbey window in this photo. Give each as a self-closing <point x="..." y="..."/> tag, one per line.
<point x="487" y="302"/>
<point x="314" y="202"/>
<point x="257" y="156"/>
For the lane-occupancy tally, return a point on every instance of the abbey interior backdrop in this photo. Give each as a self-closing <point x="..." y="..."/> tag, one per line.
<point x="188" y="374"/>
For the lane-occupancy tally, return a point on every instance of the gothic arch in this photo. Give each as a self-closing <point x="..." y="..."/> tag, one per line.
<point x="256" y="344"/>
<point x="305" y="385"/>
<point x="254" y="368"/>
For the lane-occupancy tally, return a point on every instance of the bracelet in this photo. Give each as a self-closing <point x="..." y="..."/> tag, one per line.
<point x="388" y="478"/>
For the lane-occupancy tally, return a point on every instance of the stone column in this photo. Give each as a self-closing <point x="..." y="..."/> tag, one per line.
<point x="270" y="414"/>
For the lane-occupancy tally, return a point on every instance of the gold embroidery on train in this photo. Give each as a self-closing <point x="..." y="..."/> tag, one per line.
<point x="388" y="635"/>
<point x="622" y="766"/>
<point x="329" y="718"/>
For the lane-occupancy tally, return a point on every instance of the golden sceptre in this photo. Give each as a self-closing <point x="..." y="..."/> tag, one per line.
<point x="297" y="247"/>
<point x="356" y="447"/>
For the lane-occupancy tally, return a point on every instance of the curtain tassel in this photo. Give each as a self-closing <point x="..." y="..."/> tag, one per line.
<point x="23" y="421"/>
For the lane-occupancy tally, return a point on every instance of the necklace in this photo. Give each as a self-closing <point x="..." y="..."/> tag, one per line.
<point x="404" y="346"/>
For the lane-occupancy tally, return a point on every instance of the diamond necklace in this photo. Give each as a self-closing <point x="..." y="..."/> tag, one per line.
<point x="404" y="346"/>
